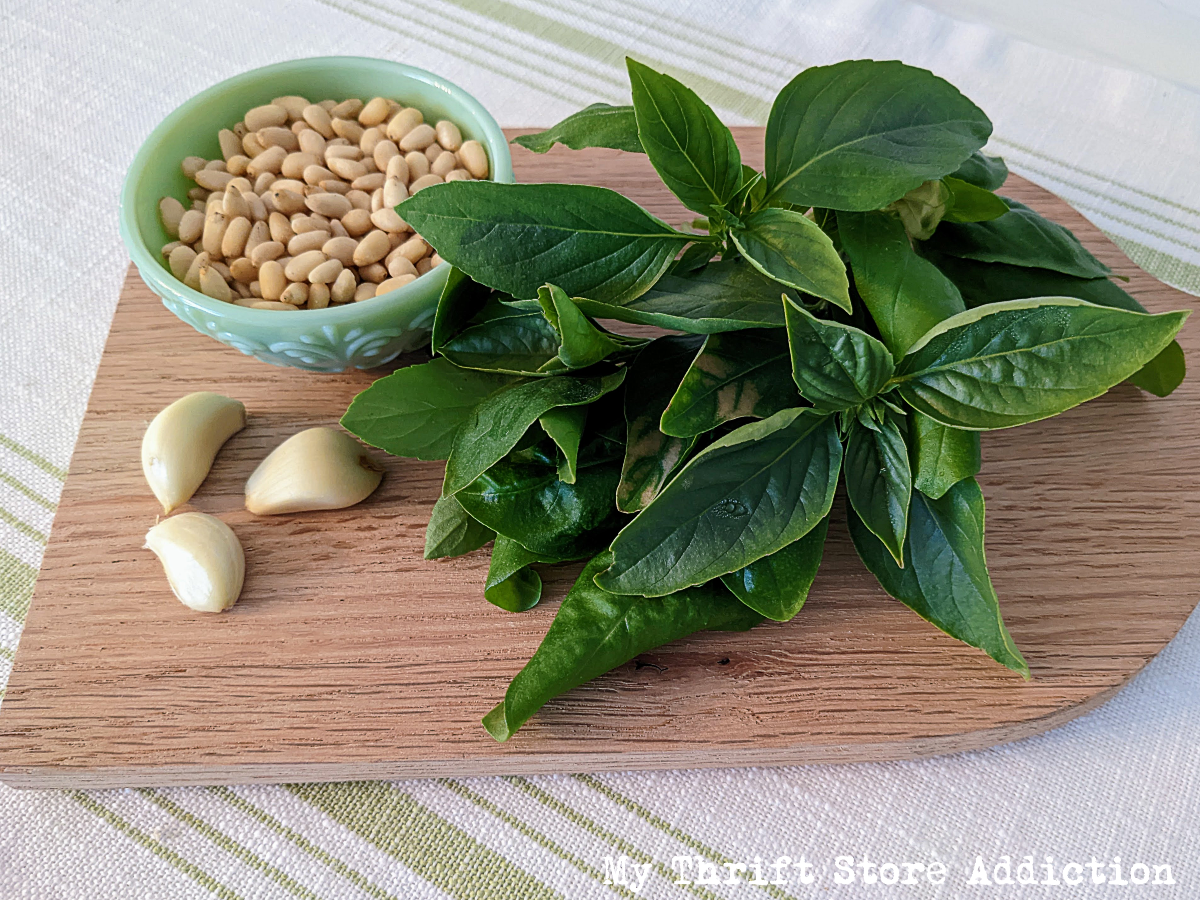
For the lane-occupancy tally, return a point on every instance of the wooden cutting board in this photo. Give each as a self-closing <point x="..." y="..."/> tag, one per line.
<point x="350" y="657"/>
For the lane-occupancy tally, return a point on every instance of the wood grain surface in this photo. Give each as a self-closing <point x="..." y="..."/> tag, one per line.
<point x="351" y="657"/>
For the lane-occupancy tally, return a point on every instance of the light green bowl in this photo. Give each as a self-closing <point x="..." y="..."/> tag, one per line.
<point x="357" y="335"/>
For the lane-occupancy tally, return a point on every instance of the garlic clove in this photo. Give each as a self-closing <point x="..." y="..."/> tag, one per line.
<point x="202" y="558"/>
<point x="320" y="468"/>
<point x="179" y="446"/>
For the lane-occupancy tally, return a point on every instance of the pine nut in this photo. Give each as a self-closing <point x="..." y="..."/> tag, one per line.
<point x="414" y="249"/>
<point x="387" y="219"/>
<point x="332" y="205"/>
<point x="306" y="241"/>
<point x="256" y="289"/>
<point x="318" y="296"/>
<point x="270" y="160"/>
<point x="268" y="304"/>
<point x="251" y="145"/>
<point x="458" y="175"/>
<point x="359" y="200"/>
<point x="277" y="136"/>
<point x="326" y="272"/>
<point x="340" y="248"/>
<point x="448" y="135"/>
<point x="376" y="200"/>
<point x="371" y="248"/>
<point x="171" y="212"/>
<point x="191" y="226"/>
<point x="364" y="291"/>
<point x="398" y="265"/>
<point x="424" y="266"/>
<point x="287" y="202"/>
<point x="242" y="269"/>
<point x="213" y="285"/>
<point x="347" y="109"/>
<point x="295" y="163"/>
<point x="264" y="116"/>
<point x="374" y="273"/>
<point x="343" y="287"/>
<point x="343" y="150"/>
<point x="385" y="151"/>
<point x="263" y="182"/>
<point x="312" y="143"/>
<point x="180" y="260"/>
<point x="272" y="279"/>
<point x="295" y="294"/>
<point x="259" y="234"/>
<point x="233" y="243"/>
<point x="445" y="163"/>
<point x="302" y="264"/>
<point x="233" y="204"/>
<point x="348" y="128"/>
<point x="393" y="283"/>
<point x="237" y="164"/>
<point x="374" y="113"/>
<point x="191" y="165"/>
<point x="357" y="222"/>
<point x="369" y="182"/>
<point x="330" y="186"/>
<point x="192" y="277"/>
<point x="424" y="182"/>
<point x="348" y="169"/>
<point x="337" y="229"/>
<point x="418" y="165"/>
<point x="266" y="251"/>
<point x="433" y="151"/>
<point x="403" y="122"/>
<point x="436" y="259"/>
<point x="214" y="230"/>
<point x="231" y="144"/>
<point x="215" y="165"/>
<point x="212" y="180"/>
<point x="318" y="117"/>
<point x="418" y="138"/>
<point x="292" y="105"/>
<point x="394" y="192"/>
<point x="398" y="169"/>
<point x="473" y="158"/>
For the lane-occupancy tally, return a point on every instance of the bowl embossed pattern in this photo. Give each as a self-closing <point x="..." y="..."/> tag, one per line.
<point x="358" y="335"/>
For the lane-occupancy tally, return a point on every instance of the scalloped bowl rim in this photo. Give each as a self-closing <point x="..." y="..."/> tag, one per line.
<point x="161" y="281"/>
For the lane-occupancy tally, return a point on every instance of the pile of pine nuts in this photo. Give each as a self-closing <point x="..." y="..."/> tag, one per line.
<point x="299" y="213"/>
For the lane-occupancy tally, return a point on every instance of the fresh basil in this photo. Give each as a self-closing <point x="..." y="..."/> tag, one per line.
<point x="1164" y="373"/>
<point x="598" y="125"/>
<point x="511" y="584"/>
<point x="721" y="296"/>
<point x="582" y="343"/>
<point x="878" y="477"/>
<point x="945" y="580"/>
<point x="493" y="428"/>
<point x="1020" y="237"/>
<point x="776" y="586"/>
<point x="834" y="366"/>
<point x="1011" y="363"/>
<point x="595" y="631"/>
<point x="792" y="249"/>
<point x="452" y="531"/>
<point x="941" y="457"/>
<point x="969" y="203"/>
<point x="905" y="294"/>
<point x="748" y="494"/>
<point x="461" y="300"/>
<point x="514" y="342"/>
<point x="590" y="241"/>
<point x="987" y="172"/>
<point x="651" y="456"/>
<point x="691" y="149"/>
<point x="564" y="425"/>
<point x="736" y="375"/>
<point x="416" y="411"/>
<point x="859" y="134"/>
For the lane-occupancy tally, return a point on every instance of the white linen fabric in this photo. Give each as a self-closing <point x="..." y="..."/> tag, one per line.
<point x="84" y="83"/>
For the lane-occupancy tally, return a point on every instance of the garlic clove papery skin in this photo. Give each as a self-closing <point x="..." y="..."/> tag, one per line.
<point x="181" y="443"/>
<point x="202" y="558"/>
<point x="320" y="468"/>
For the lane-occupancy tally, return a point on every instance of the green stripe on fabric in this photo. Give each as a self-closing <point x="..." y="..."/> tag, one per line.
<point x="16" y="586"/>
<point x="1090" y="174"/>
<point x="533" y="834"/>
<point x="331" y="862"/>
<point x="36" y="458"/>
<point x="481" y="58"/>
<point x="28" y="530"/>
<point x="230" y="846"/>
<point x="445" y="856"/>
<point x="612" y="54"/>
<point x="191" y="870"/>
<point x="579" y="820"/>
<point x="33" y="495"/>
<point x="1161" y="265"/>
<point x="664" y="826"/>
<point x="6" y="653"/>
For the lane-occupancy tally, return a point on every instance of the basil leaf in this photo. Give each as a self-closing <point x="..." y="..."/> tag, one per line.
<point x="791" y="248"/>
<point x="1010" y="363"/>
<point x="878" y="478"/>
<point x="1020" y="237"/>
<point x="565" y="424"/>
<point x="598" y="125"/>
<point x="496" y="425"/>
<point x="987" y="172"/>
<point x="859" y="134"/>
<point x="452" y="532"/>
<point x="969" y="203"/>
<point x="528" y="503"/>
<point x="752" y="492"/>
<point x="942" y="456"/>
<point x="776" y="586"/>
<point x="416" y="411"/>
<point x="834" y="366"/>
<point x="516" y="343"/>
<point x="946" y="581"/>
<point x="590" y="241"/>
<point x="461" y="299"/>
<point x="694" y="257"/>
<point x="511" y="584"/>
<point x="690" y="148"/>
<point x="905" y="294"/>
<point x="736" y="374"/>
<point x="595" y="631"/>
<point x="1164" y="373"/>
<point x="651" y="456"/>
<point x="582" y="343"/>
<point x="992" y="282"/>
<point x="722" y="296"/>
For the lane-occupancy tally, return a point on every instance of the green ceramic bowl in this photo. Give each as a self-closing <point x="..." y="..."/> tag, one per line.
<point x="358" y="335"/>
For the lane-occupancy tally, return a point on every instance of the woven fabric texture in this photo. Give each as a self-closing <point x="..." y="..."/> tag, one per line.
<point x="85" y="83"/>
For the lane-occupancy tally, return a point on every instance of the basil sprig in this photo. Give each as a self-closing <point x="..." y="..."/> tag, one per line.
<point x="856" y="315"/>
